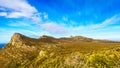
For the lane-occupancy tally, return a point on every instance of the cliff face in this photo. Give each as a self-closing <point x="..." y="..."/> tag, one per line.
<point x="20" y="49"/>
<point x="21" y="40"/>
<point x="17" y="39"/>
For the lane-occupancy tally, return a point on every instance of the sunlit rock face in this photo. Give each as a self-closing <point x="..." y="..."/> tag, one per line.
<point x="16" y="39"/>
<point x="19" y="39"/>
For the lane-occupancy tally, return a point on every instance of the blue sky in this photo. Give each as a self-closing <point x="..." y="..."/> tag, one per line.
<point x="99" y="19"/>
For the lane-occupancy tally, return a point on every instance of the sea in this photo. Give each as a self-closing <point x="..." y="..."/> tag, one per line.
<point x="2" y="45"/>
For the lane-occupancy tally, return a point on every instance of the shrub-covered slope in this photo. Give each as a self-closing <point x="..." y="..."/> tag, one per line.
<point x="49" y="52"/>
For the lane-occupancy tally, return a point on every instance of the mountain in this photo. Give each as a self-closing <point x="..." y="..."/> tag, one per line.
<point x="21" y="40"/>
<point x="25" y="52"/>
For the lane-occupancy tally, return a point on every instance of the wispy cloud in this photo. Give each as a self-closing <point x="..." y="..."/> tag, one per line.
<point x="19" y="24"/>
<point x="112" y="20"/>
<point x="45" y="15"/>
<point x="54" y="28"/>
<point x="102" y="30"/>
<point x="3" y="14"/>
<point x="109" y="21"/>
<point x="18" y="9"/>
<point x="112" y="36"/>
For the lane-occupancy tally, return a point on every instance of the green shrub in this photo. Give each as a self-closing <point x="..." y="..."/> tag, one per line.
<point x="99" y="61"/>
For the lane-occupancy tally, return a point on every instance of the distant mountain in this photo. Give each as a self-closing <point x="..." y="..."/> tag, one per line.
<point x="25" y="52"/>
<point x="19" y="39"/>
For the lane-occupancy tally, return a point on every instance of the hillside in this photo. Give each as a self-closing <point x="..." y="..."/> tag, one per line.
<point x="50" y="52"/>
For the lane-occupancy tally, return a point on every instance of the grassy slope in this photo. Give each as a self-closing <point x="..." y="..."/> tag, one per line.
<point x="86" y="47"/>
<point x="72" y="55"/>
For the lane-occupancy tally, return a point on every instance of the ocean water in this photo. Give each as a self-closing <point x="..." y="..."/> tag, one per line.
<point x="2" y="45"/>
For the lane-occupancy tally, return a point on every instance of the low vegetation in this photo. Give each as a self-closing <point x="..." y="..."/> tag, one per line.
<point x="73" y="58"/>
<point x="68" y="53"/>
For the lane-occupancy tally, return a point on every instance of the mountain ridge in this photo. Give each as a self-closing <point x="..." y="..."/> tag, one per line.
<point x="26" y="51"/>
<point x="19" y="39"/>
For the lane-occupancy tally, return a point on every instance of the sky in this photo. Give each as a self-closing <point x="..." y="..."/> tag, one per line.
<point x="99" y="19"/>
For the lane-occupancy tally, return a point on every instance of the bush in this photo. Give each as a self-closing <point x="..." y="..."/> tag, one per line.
<point x="99" y="61"/>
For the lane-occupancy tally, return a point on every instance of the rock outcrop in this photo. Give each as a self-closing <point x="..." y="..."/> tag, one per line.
<point x="17" y="39"/>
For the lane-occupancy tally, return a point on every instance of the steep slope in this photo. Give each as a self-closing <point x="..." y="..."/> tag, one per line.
<point x="21" y="40"/>
<point x="21" y="49"/>
<point x="18" y="49"/>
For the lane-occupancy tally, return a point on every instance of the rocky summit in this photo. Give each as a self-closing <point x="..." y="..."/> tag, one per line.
<point x="17" y="39"/>
<point x="50" y="52"/>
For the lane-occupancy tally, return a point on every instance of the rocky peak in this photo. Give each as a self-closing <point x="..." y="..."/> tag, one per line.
<point x="16" y="35"/>
<point x="17" y="39"/>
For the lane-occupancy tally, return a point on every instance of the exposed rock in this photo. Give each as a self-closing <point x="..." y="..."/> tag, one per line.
<point x="20" y="40"/>
<point x="17" y="39"/>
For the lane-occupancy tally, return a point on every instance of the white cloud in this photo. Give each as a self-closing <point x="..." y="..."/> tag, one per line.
<point x="19" y="24"/>
<point x="17" y="15"/>
<point x="114" y="19"/>
<point x="37" y="18"/>
<point x="3" y="14"/>
<point x="17" y="5"/>
<point x="112" y="36"/>
<point x="18" y="9"/>
<point x="54" y="28"/>
<point x="99" y="31"/>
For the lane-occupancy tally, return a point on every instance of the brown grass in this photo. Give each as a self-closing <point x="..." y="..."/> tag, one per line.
<point x="85" y="47"/>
